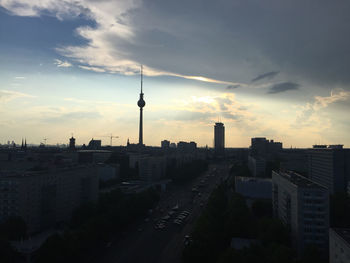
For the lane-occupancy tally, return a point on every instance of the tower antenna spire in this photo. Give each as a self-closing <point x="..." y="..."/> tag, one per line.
<point x="141" y="76"/>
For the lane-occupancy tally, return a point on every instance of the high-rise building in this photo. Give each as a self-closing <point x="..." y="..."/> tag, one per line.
<point x="219" y="137"/>
<point x="330" y="166"/>
<point x="141" y="103"/>
<point x="303" y="206"/>
<point x="165" y="144"/>
<point x="264" y="148"/>
<point x="186" y="146"/>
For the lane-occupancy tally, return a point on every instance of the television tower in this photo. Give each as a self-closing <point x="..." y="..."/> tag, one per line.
<point x="141" y="103"/>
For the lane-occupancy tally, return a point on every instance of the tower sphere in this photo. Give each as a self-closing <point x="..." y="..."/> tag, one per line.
<point x="141" y="103"/>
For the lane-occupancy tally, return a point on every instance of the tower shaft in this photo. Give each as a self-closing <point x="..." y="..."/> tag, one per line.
<point x="141" y="127"/>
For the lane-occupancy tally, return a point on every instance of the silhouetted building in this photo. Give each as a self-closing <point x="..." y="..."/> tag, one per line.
<point x="72" y="143"/>
<point x="186" y="146"/>
<point x="141" y="103"/>
<point x="94" y="144"/>
<point x="303" y="206"/>
<point x="294" y="160"/>
<point x="24" y="145"/>
<point x="219" y="138"/>
<point x="330" y="167"/>
<point x="339" y="245"/>
<point x="165" y="144"/>
<point x="93" y="156"/>
<point x="264" y="148"/>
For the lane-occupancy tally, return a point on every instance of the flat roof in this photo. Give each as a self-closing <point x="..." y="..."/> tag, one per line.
<point x="299" y="180"/>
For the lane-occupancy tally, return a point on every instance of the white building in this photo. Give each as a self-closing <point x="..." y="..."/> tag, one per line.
<point x="303" y="206"/>
<point x="339" y="245"/>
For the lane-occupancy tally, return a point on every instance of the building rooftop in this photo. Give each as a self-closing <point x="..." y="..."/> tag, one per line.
<point x="329" y="147"/>
<point x="299" y="180"/>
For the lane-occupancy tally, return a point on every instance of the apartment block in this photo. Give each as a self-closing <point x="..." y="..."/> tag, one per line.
<point x="44" y="198"/>
<point x="330" y="166"/>
<point x="303" y="206"/>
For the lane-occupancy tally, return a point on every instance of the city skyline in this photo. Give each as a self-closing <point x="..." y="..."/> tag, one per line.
<point x="73" y="67"/>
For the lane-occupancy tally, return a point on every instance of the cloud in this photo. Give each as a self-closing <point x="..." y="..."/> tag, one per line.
<point x="336" y="95"/>
<point x="96" y="69"/>
<point x="308" y="111"/>
<point x="238" y="38"/>
<point x="19" y="77"/>
<point x="62" y="64"/>
<point x="268" y="75"/>
<point x="282" y="87"/>
<point x="8" y="95"/>
<point x="73" y="116"/>
<point x="233" y="86"/>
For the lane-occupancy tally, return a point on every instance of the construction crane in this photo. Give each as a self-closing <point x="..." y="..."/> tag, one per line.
<point x="110" y="137"/>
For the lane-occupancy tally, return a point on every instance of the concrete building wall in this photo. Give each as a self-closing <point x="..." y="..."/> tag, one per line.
<point x="256" y="166"/>
<point x="45" y="198"/>
<point x="303" y="206"/>
<point x="330" y="168"/>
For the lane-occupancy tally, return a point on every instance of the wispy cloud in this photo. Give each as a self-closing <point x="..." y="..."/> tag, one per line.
<point x="20" y="77"/>
<point x="306" y="113"/>
<point x="95" y="69"/>
<point x="268" y="75"/>
<point x="282" y="87"/>
<point x="62" y="64"/>
<point x="7" y="95"/>
<point x="233" y="86"/>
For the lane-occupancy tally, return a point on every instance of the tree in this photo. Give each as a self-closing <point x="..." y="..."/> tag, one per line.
<point x="14" y="228"/>
<point x="340" y="210"/>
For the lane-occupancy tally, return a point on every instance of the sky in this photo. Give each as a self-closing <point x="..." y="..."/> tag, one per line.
<point x="275" y="69"/>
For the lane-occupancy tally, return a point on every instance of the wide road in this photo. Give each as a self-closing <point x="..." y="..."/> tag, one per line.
<point x="144" y="243"/>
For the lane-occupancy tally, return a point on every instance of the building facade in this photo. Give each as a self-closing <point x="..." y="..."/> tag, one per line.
<point x="330" y="167"/>
<point x="257" y="166"/>
<point x="45" y="198"/>
<point x="219" y="138"/>
<point x="262" y="147"/>
<point x="303" y="206"/>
